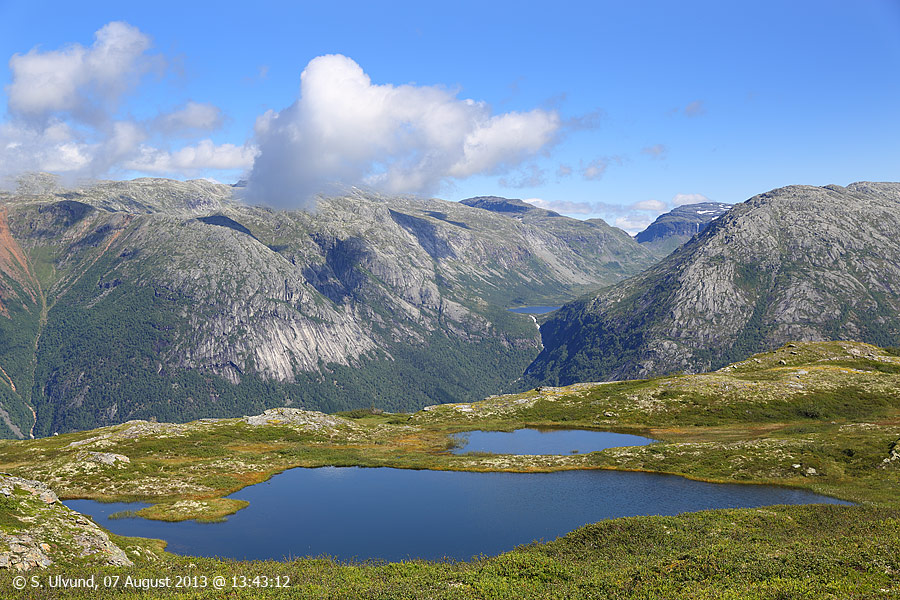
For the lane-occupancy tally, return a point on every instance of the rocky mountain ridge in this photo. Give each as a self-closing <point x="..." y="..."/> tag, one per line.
<point x="173" y="300"/>
<point x="799" y="263"/>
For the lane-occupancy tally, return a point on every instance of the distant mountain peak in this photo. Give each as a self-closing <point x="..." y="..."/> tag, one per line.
<point x="680" y="224"/>
<point x="499" y="204"/>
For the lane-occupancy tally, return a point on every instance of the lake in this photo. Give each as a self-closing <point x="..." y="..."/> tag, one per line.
<point x="534" y="441"/>
<point x="533" y="310"/>
<point x="395" y="514"/>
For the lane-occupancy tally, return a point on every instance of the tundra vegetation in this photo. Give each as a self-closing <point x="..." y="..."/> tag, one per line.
<point x="821" y="416"/>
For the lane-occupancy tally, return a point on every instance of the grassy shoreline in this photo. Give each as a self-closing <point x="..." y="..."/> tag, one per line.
<point x="773" y="419"/>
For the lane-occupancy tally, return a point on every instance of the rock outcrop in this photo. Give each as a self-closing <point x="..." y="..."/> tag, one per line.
<point x="38" y="530"/>
<point x="305" y="419"/>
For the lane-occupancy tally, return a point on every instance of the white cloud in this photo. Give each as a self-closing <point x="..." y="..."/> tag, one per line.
<point x="633" y="223"/>
<point x="82" y="82"/>
<point x="63" y="105"/>
<point x="407" y="138"/>
<point x="51" y="148"/>
<point x="193" y="159"/>
<point x="653" y="205"/>
<point x="564" y="171"/>
<point x="680" y="199"/>
<point x="192" y="117"/>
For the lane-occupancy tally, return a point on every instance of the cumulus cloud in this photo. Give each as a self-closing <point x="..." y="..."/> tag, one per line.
<point x="63" y="114"/>
<point x="82" y="82"/>
<point x="190" y="118"/>
<point x="406" y="138"/>
<point x="633" y="223"/>
<point x="193" y="159"/>
<point x="657" y="151"/>
<point x="653" y="205"/>
<point x="680" y="199"/>
<point x="695" y="109"/>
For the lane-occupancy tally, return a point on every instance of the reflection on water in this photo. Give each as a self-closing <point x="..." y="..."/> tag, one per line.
<point x="533" y="310"/>
<point x="395" y="514"/>
<point x="534" y="441"/>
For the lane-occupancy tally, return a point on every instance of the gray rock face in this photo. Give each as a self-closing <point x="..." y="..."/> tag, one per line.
<point x="49" y="531"/>
<point x="198" y="289"/>
<point x="677" y="226"/>
<point x="799" y="263"/>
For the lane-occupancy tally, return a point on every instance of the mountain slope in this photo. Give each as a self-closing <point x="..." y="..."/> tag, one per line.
<point x="171" y="300"/>
<point x="598" y="246"/>
<point x="680" y="224"/>
<point x="797" y="263"/>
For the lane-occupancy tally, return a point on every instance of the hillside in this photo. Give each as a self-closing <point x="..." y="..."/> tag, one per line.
<point x="797" y="263"/>
<point x="600" y="246"/>
<point x="172" y="300"/>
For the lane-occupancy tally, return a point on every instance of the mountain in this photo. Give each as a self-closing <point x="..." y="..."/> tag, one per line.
<point x="680" y="224"/>
<point x="170" y="300"/>
<point x="598" y="245"/>
<point x="799" y="263"/>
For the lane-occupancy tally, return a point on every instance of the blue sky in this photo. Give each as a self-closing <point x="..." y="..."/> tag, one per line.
<point x="617" y="110"/>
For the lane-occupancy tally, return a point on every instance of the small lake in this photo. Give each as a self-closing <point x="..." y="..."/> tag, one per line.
<point x="534" y="441"/>
<point x="533" y="310"/>
<point x="396" y="514"/>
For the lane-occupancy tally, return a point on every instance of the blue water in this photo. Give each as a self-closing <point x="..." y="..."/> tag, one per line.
<point x="533" y="310"/>
<point x="533" y="441"/>
<point x="395" y="514"/>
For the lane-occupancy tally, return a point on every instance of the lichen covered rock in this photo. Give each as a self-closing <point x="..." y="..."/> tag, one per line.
<point x="37" y="530"/>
